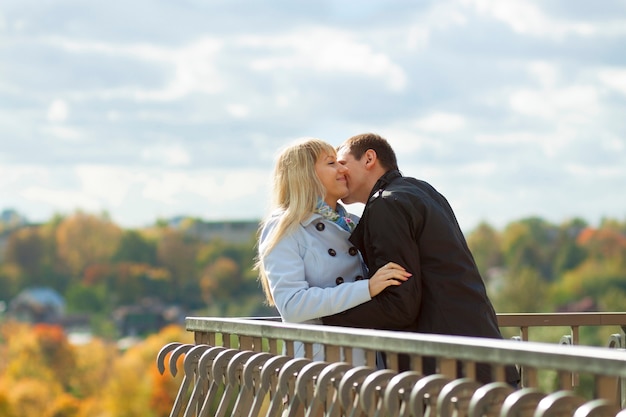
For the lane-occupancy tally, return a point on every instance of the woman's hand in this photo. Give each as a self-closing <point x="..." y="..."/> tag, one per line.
<point x="390" y="274"/>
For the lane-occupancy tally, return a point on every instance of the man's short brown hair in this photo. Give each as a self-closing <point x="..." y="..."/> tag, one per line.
<point x="359" y="144"/>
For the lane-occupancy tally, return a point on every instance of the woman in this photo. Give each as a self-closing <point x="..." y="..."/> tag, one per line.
<point x="307" y="266"/>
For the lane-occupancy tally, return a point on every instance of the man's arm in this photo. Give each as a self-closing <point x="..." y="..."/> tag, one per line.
<point x="389" y="232"/>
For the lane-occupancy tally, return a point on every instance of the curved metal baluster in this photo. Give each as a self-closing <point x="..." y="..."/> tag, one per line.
<point x="487" y="397"/>
<point x="202" y="382"/>
<point x="328" y="379"/>
<point x="615" y="341"/>
<point x="348" y="390"/>
<point x="305" y="385"/>
<point x="232" y="379"/>
<point x="521" y="402"/>
<point x="165" y="350"/>
<point x="396" y="396"/>
<point x="454" y="395"/>
<point x="184" y="386"/>
<point x="597" y="408"/>
<point x="216" y="378"/>
<point x="190" y="364"/>
<point x="560" y="403"/>
<point x="371" y="389"/>
<point x="250" y="379"/>
<point x="423" y="397"/>
<point x="284" y="386"/>
<point x="268" y="371"/>
<point x="173" y="362"/>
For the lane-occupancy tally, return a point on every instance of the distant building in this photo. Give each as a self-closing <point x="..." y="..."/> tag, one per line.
<point x="147" y="316"/>
<point x="37" y="305"/>
<point x="232" y="231"/>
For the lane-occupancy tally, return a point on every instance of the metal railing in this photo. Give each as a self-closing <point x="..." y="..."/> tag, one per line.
<point x="251" y="364"/>
<point x="526" y="321"/>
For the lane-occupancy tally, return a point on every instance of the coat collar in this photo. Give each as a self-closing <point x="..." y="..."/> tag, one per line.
<point x="383" y="182"/>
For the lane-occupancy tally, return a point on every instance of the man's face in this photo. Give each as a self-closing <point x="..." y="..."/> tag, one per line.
<point x="356" y="176"/>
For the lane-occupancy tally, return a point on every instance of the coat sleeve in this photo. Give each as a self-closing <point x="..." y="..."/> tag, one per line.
<point x="295" y="299"/>
<point x="391" y="234"/>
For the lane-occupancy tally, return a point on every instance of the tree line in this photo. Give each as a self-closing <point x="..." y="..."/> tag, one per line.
<point x="531" y="265"/>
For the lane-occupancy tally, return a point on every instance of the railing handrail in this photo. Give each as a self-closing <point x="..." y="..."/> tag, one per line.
<point x="588" y="359"/>
<point x="561" y="319"/>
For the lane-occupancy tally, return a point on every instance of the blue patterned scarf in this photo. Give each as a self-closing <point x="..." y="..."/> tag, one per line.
<point x="340" y="216"/>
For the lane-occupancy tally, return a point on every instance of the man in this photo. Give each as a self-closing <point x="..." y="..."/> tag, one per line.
<point x="408" y="222"/>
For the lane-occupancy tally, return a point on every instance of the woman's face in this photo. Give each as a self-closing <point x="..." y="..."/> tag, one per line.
<point x="333" y="176"/>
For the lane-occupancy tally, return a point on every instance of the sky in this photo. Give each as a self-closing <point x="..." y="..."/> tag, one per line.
<point x="153" y="109"/>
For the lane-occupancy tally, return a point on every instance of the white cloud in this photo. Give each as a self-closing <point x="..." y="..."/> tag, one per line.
<point x="327" y="51"/>
<point x="193" y="67"/>
<point x="215" y="187"/>
<point x="550" y="143"/>
<point x="486" y="99"/>
<point x="418" y="37"/>
<point x="440" y="122"/>
<point x="65" y="133"/>
<point x="168" y="155"/>
<point x="61" y="200"/>
<point x="614" y="78"/>
<point x="108" y="184"/>
<point x="58" y="111"/>
<point x="546" y="73"/>
<point x="239" y="111"/>
<point x="526" y="18"/>
<point x="578" y="101"/>
<point x="591" y="174"/>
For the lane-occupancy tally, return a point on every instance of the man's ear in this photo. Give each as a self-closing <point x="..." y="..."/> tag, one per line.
<point x="370" y="158"/>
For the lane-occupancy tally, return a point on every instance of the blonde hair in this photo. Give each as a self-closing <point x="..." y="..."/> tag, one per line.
<point x="296" y="189"/>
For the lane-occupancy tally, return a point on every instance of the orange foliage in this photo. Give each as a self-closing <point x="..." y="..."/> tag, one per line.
<point x="605" y="243"/>
<point x="163" y="393"/>
<point x="56" y="350"/>
<point x="96" y="273"/>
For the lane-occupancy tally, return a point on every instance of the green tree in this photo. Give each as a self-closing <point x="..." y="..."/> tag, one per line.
<point x="485" y="244"/>
<point x="177" y="253"/>
<point x="525" y="292"/>
<point x="134" y="247"/>
<point x="530" y="243"/>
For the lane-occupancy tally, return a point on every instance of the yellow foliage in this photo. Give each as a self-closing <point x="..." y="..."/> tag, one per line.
<point x="84" y="239"/>
<point x="102" y="381"/>
<point x="93" y="367"/>
<point x="64" y="406"/>
<point x="23" y="354"/>
<point x="31" y="397"/>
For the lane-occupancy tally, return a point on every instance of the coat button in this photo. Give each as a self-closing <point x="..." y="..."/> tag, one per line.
<point x="320" y="226"/>
<point x="332" y="252"/>
<point x="359" y="277"/>
<point x="339" y="280"/>
<point x="353" y="251"/>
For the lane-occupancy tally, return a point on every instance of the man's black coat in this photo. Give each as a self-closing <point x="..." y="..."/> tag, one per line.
<point x="408" y="222"/>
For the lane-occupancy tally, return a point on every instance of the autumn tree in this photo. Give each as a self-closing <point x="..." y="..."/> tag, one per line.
<point x="26" y="249"/>
<point x="84" y="239"/>
<point x="177" y="253"/>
